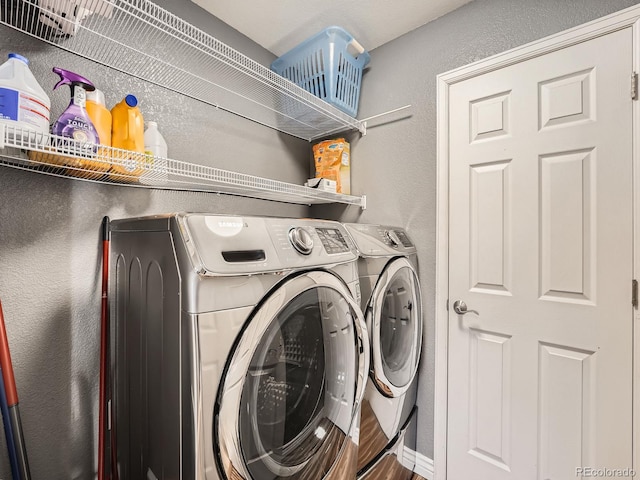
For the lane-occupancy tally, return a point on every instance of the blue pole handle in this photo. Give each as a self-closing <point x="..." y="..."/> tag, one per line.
<point x="8" y="431"/>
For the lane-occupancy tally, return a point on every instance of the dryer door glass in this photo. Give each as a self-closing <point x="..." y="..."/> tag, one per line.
<point x="397" y="329"/>
<point x="298" y="397"/>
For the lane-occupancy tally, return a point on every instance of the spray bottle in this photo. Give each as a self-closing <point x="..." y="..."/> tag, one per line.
<point x="74" y="122"/>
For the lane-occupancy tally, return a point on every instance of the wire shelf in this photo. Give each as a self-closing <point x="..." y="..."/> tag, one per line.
<point x="63" y="157"/>
<point x="148" y="42"/>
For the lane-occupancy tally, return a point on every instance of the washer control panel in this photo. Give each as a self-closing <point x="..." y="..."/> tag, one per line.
<point x="225" y="245"/>
<point x="305" y="242"/>
<point x="332" y="240"/>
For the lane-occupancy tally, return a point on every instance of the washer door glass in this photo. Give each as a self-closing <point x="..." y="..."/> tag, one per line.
<point x="298" y="395"/>
<point x="397" y="327"/>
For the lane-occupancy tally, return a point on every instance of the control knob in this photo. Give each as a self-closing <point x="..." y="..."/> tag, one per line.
<point x="393" y="237"/>
<point x="301" y="240"/>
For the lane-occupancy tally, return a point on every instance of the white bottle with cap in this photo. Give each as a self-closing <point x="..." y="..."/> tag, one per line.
<point x="154" y="144"/>
<point x="24" y="105"/>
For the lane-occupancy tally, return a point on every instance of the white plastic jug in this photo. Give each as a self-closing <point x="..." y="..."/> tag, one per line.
<point x="23" y="102"/>
<point x="154" y="144"/>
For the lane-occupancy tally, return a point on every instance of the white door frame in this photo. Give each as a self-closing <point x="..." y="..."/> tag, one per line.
<point x="629" y="17"/>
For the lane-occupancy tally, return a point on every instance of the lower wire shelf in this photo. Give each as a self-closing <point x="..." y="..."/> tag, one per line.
<point x="59" y="156"/>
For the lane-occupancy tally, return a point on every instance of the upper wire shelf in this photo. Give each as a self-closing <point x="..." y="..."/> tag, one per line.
<point x="63" y="157"/>
<point x="146" y="41"/>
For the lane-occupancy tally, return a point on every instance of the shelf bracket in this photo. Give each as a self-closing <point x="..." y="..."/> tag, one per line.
<point x="387" y="117"/>
<point x="363" y="202"/>
<point x="2" y="134"/>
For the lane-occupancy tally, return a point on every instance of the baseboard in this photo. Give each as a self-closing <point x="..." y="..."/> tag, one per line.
<point x="423" y="464"/>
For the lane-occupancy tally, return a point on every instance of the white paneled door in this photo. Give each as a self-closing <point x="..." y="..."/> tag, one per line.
<point x="540" y="232"/>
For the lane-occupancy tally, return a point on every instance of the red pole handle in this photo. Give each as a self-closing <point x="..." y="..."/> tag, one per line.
<point x="6" y="365"/>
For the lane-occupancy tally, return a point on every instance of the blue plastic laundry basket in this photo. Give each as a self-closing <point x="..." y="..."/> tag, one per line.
<point x="324" y="66"/>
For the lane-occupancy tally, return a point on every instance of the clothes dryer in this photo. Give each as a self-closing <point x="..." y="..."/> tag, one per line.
<point x="241" y="352"/>
<point x="391" y="301"/>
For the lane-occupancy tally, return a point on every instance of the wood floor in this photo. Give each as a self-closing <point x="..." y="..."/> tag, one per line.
<point x="373" y="440"/>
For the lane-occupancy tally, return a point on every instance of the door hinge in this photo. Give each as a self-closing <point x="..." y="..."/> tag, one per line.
<point x="634" y="86"/>
<point x="634" y="293"/>
<point x="447" y="304"/>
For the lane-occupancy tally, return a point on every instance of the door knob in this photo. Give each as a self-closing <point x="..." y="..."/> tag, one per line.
<point x="461" y="308"/>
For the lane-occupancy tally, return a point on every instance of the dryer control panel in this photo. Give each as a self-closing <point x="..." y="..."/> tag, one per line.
<point x="394" y="237"/>
<point x="380" y="240"/>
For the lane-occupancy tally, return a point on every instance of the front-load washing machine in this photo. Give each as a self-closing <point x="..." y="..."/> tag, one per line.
<point x="240" y="349"/>
<point x="391" y="302"/>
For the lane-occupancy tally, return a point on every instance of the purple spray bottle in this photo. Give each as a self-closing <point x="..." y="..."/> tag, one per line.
<point x="74" y="122"/>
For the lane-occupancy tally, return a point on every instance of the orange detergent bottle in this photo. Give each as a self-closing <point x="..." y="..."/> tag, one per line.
<point x="101" y="118"/>
<point x="127" y="133"/>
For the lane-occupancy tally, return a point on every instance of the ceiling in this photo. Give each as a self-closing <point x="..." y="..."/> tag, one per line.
<point x="280" y="25"/>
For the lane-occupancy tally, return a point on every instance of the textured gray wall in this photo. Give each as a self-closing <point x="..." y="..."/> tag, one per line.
<point x="395" y="164"/>
<point x="49" y="227"/>
<point x="50" y="242"/>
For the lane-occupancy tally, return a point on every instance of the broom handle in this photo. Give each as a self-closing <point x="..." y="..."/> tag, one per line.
<point x="18" y="439"/>
<point x="103" y="348"/>
<point x="8" y="432"/>
<point x="12" y="401"/>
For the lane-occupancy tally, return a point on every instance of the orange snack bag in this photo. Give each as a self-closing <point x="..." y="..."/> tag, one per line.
<point x="332" y="160"/>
